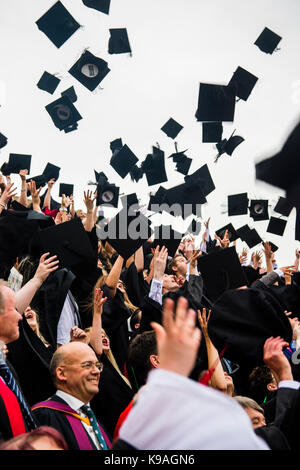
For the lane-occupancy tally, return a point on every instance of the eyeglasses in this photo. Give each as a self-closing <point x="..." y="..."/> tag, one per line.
<point x="89" y="365"/>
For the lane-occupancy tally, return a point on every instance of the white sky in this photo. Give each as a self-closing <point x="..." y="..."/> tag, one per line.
<point x="176" y="44"/>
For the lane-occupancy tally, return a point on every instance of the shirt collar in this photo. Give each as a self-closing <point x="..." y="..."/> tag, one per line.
<point x="73" y="402"/>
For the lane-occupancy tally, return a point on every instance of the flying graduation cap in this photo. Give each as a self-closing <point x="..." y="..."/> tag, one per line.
<point x="123" y="160"/>
<point x="18" y="162"/>
<point x="283" y="206"/>
<point x="70" y="93"/>
<point x="63" y="114"/>
<point x="154" y="167"/>
<point x="48" y="82"/>
<point x="228" y="146"/>
<point x="89" y="70"/>
<point x="100" y="5"/>
<point x="216" y="103"/>
<point x="259" y="209"/>
<point x="267" y="41"/>
<point x="276" y="226"/>
<point x="212" y="132"/>
<point x="171" y="128"/>
<point x="58" y="24"/>
<point x="243" y="83"/>
<point x="183" y="163"/>
<point x="118" y="42"/>
<point x="238" y="204"/>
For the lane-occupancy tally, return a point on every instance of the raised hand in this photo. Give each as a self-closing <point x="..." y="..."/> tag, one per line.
<point x="203" y="320"/>
<point x="23" y="174"/>
<point x="88" y="200"/>
<point x="7" y="194"/>
<point x="159" y="262"/>
<point x="35" y="193"/>
<point x="77" y="334"/>
<point x="275" y="359"/>
<point x="45" y="267"/>
<point x="99" y="301"/>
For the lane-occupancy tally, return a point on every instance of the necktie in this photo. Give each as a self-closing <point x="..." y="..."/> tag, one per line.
<point x="89" y="412"/>
<point x="11" y="383"/>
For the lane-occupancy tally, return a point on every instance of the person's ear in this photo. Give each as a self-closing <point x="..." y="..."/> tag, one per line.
<point x="60" y="374"/>
<point x="154" y="361"/>
<point x="271" y="387"/>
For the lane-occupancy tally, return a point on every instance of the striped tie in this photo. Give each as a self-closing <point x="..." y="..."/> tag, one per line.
<point x="8" y="378"/>
<point x="89" y="412"/>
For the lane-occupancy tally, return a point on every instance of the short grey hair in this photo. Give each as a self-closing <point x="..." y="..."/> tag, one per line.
<point x="247" y="402"/>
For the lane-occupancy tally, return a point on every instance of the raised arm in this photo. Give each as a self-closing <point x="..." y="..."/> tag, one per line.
<point x="139" y="259"/>
<point x="23" y="196"/>
<point x="7" y="194"/>
<point x="114" y="276"/>
<point x="96" y="331"/>
<point x="89" y="203"/>
<point x="47" y="199"/>
<point x="35" y="196"/>
<point x="269" y="256"/>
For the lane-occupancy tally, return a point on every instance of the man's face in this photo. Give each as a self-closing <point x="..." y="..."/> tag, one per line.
<point x="256" y="417"/>
<point x="181" y="265"/>
<point x="79" y="375"/>
<point x="170" y="283"/>
<point x="9" y="317"/>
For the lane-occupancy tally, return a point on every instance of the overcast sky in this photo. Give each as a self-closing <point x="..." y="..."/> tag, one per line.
<point x="176" y="44"/>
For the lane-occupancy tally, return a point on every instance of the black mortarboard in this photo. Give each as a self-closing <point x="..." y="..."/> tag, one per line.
<point x="43" y="220"/>
<point x="243" y="319"/>
<point x="171" y="128"/>
<point x="157" y="198"/>
<point x="238" y="204"/>
<point x="126" y="233"/>
<point x="166" y="236"/>
<point x="232" y="235"/>
<point x="229" y="145"/>
<point x="70" y="93"/>
<point x="66" y="189"/>
<point x="212" y="131"/>
<point x="129" y="200"/>
<point x="116" y="145"/>
<point x="267" y="41"/>
<point x="3" y="140"/>
<point x="182" y="200"/>
<point x="107" y="194"/>
<point x="5" y="170"/>
<point x="251" y="237"/>
<point x="51" y="171"/>
<point x="68" y="241"/>
<point x="259" y="209"/>
<point x="215" y="103"/>
<point x="101" y="178"/>
<point x="40" y="182"/>
<point x="123" y="160"/>
<point x="48" y="82"/>
<point x="70" y="128"/>
<point x="58" y="24"/>
<point x="118" y="42"/>
<point x="154" y="167"/>
<point x="273" y="247"/>
<point x="283" y="206"/>
<point x="243" y="83"/>
<point x="183" y="163"/>
<point x="276" y="226"/>
<point x="136" y="173"/>
<point x="282" y="170"/>
<point x="89" y="70"/>
<point x="63" y="113"/>
<point x="100" y="5"/>
<point x="221" y="271"/>
<point x="242" y="231"/>
<point x="203" y="177"/>
<point x="19" y="162"/>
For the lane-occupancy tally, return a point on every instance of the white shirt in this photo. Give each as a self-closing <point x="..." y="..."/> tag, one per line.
<point x="67" y="319"/>
<point x="156" y="291"/>
<point x="173" y="412"/>
<point x="76" y="404"/>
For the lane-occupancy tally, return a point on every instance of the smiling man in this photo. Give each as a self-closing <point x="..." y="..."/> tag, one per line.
<point x="75" y="370"/>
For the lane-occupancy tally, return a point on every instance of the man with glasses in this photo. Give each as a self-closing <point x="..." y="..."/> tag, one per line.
<point x="75" y="371"/>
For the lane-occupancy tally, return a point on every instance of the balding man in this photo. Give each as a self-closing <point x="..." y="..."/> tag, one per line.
<point x="75" y="371"/>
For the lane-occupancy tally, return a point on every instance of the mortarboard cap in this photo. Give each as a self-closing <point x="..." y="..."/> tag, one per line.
<point x="242" y="231"/>
<point x="3" y="140"/>
<point x="283" y="206"/>
<point x="68" y="241"/>
<point x="40" y="181"/>
<point x="232" y="235"/>
<point x="166" y="236"/>
<point x="89" y="70"/>
<point x="215" y="103"/>
<point x="5" y="170"/>
<point x="63" y="113"/>
<point x="123" y="160"/>
<point x="182" y="200"/>
<point x="136" y="173"/>
<point x="157" y="198"/>
<point x="259" y="209"/>
<point x="267" y="41"/>
<point x="171" y="128"/>
<point x="126" y="233"/>
<point x="229" y="145"/>
<point x="274" y="248"/>
<point x="203" y="178"/>
<point x="251" y="237"/>
<point x="51" y="172"/>
<point x="276" y="226"/>
<point x="101" y="178"/>
<point x="100" y="5"/>
<point x="238" y="204"/>
<point x="107" y="194"/>
<point x="154" y="167"/>
<point x="251" y="274"/>
<point x="243" y="319"/>
<point x="70" y="93"/>
<point x="221" y="271"/>
<point x="116" y="145"/>
<point x="183" y="163"/>
<point x="212" y="131"/>
<point x="118" y="42"/>
<point x="58" y="24"/>
<point x="43" y="220"/>
<point x="48" y="83"/>
<point x="66" y="189"/>
<point x="19" y="162"/>
<point x="243" y="82"/>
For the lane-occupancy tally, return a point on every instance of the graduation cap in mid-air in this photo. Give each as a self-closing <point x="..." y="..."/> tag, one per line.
<point x="63" y="114"/>
<point x="123" y="160"/>
<point x="118" y="42"/>
<point x="58" y="24"/>
<point x="154" y="167"/>
<point x="259" y="209"/>
<point x="216" y="103"/>
<point x="203" y="178"/>
<point x="231" y="233"/>
<point x="157" y="199"/>
<point x="212" y="132"/>
<point x="171" y="128"/>
<point x="276" y="226"/>
<point x="51" y="171"/>
<point x="243" y="83"/>
<point x="100" y="5"/>
<point x="66" y="189"/>
<point x="183" y="162"/>
<point x="107" y="193"/>
<point x="48" y="82"/>
<point x="70" y="93"/>
<point x="228" y="145"/>
<point x="283" y="206"/>
<point x="136" y="173"/>
<point x="18" y="162"/>
<point x="238" y="204"/>
<point x="89" y="70"/>
<point x="267" y="41"/>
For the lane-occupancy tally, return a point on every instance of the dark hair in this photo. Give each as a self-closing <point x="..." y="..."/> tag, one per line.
<point x="24" y="441"/>
<point x="259" y="378"/>
<point x="135" y="318"/>
<point x="139" y="352"/>
<point x="173" y="262"/>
